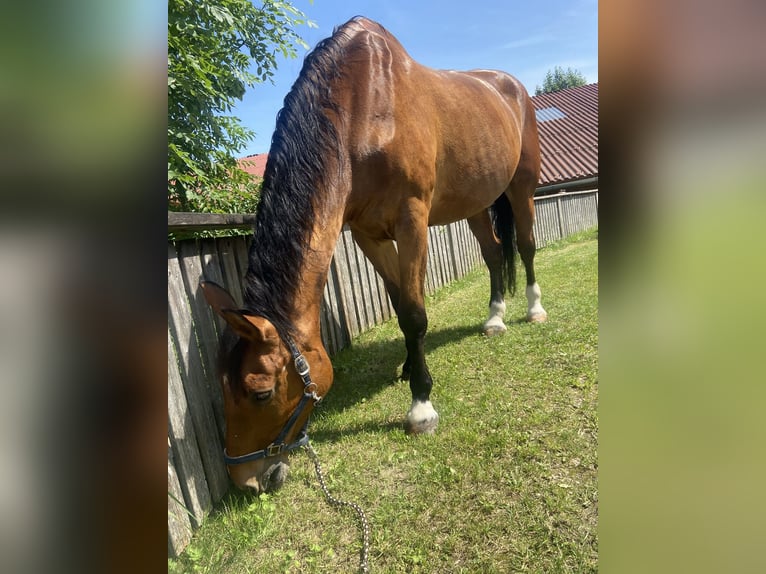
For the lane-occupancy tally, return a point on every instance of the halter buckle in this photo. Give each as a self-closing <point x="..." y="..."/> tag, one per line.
<point x="301" y="365"/>
<point x="274" y="449"/>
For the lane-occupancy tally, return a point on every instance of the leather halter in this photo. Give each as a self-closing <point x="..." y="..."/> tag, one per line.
<point x="278" y="446"/>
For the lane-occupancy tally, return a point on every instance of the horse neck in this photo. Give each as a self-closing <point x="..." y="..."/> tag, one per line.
<point x="319" y="194"/>
<point x="315" y="268"/>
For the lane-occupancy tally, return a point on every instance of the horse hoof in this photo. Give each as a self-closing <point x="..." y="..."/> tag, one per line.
<point x="493" y="330"/>
<point x="421" y="419"/>
<point x="537" y="318"/>
<point x="421" y="427"/>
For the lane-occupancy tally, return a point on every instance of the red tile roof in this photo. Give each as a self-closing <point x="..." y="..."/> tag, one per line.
<point x="254" y="164"/>
<point x="569" y="144"/>
<point x="568" y="127"/>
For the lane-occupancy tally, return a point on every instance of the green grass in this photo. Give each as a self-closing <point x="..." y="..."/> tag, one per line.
<point x="507" y="483"/>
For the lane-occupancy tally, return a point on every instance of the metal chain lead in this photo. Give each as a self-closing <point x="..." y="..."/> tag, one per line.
<point x="335" y="502"/>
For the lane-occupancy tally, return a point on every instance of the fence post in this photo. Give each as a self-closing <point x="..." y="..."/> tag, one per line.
<point x="560" y="218"/>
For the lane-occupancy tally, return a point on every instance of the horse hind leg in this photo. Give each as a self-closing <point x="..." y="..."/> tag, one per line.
<point x="492" y="253"/>
<point x="521" y="195"/>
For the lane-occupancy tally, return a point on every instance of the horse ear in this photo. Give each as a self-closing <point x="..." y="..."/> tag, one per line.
<point x="216" y="296"/>
<point x="256" y="329"/>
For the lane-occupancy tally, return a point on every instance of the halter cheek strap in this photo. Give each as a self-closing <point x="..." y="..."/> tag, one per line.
<point x="278" y="446"/>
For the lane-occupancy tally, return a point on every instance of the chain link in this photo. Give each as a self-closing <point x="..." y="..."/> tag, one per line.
<point x="335" y="502"/>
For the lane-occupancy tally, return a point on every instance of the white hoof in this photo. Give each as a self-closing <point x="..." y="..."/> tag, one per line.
<point x="538" y="317"/>
<point x="494" y="324"/>
<point x="492" y="329"/>
<point x="535" y="311"/>
<point x="421" y="418"/>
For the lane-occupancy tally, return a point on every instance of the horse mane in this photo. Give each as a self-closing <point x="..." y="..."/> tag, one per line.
<point x="295" y="175"/>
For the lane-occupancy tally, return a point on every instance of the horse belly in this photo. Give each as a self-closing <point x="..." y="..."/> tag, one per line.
<point x="476" y="163"/>
<point x="463" y="189"/>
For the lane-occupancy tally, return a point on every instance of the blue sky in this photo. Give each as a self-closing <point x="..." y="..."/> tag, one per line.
<point x="525" y="39"/>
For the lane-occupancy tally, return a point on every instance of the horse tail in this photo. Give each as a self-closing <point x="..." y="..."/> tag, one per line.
<point x="505" y="229"/>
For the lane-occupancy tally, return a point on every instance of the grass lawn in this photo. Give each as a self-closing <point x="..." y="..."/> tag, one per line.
<point x="506" y="484"/>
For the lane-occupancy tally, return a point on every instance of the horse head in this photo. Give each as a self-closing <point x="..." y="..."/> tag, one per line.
<point x="267" y="399"/>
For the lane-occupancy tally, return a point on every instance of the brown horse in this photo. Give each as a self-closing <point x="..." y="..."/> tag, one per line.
<point x="371" y="138"/>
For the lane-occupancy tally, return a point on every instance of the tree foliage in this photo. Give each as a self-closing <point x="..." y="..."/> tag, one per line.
<point x="560" y="79"/>
<point x="216" y="50"/>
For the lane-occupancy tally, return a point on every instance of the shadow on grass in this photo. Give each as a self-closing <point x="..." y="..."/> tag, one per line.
<point x="331" y="435"/>
<point x="364" y="370"/>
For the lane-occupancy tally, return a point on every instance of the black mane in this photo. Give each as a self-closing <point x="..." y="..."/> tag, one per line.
<point x="303" y="139"/>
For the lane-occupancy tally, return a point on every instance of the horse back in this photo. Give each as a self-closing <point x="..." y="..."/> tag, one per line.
<point x="450" y="139"/>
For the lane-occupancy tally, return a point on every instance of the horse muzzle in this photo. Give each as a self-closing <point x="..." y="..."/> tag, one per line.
<point x="275" y="476"/>
<point x="268" y="476"/>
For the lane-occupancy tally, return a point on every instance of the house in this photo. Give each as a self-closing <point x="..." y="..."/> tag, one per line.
<point x="567" y="122"/>
<point x="254" y="164"/>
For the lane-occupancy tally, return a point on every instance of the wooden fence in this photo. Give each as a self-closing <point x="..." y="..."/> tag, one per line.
<point x="354" y="301"/>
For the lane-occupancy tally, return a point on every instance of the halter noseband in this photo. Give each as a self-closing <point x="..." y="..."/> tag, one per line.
<point x="278" y="446"/>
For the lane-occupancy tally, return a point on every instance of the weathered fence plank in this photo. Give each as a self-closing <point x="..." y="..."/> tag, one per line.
<point x="444" y="256"/>
<point x="385" y="303"/>
<point x="449" y="274"/>
<point x="183" y="439"/>
<point x="362" y="287"/>
<point x="202" y="221"/>
<point x="441" y="258"/>
<point x="195" y="386"/>
<point x="231" y="273"/>
<point x="340" y="318"/>
<point x="204" y="325"/>
<point x="240" y="246"/>
<point x="434" y="260"/>
<point x="465" y="247"/>
<point x="327" y="333"/>
<point x="351" y="303"/>
<point x="334" y="309"/>
<point x="547" y="228"/>
<point x="212" y="271"/>
<point x="179" y="523"/>
<point x="346" y="298"/>
<point x="453" y="254"/>
<point x="430" y="283"/>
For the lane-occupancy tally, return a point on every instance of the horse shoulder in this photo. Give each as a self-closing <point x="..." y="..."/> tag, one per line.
<point x="376" y="69"/>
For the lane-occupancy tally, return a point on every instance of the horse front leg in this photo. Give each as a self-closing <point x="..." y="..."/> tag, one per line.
<point x="422" y="418"/>
<point x="385" y="259"/>
<point x="412" y="239"/>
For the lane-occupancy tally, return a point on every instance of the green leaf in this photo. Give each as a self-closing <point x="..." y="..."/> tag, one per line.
<point x="212" y="46"/>
<point x="222" y="15"/>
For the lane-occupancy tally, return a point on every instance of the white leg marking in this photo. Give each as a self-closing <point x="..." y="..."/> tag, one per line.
<point x="494" y="324"/>
<point x="422" y="418"/>
<point x="535" y="311"/>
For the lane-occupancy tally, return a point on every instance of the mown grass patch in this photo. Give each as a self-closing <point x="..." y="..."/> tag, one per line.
<point x="507" y="483"/>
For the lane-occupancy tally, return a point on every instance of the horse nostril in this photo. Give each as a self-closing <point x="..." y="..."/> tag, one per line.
<point x="263" y="395"/>
<point x="275" y="476"/>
